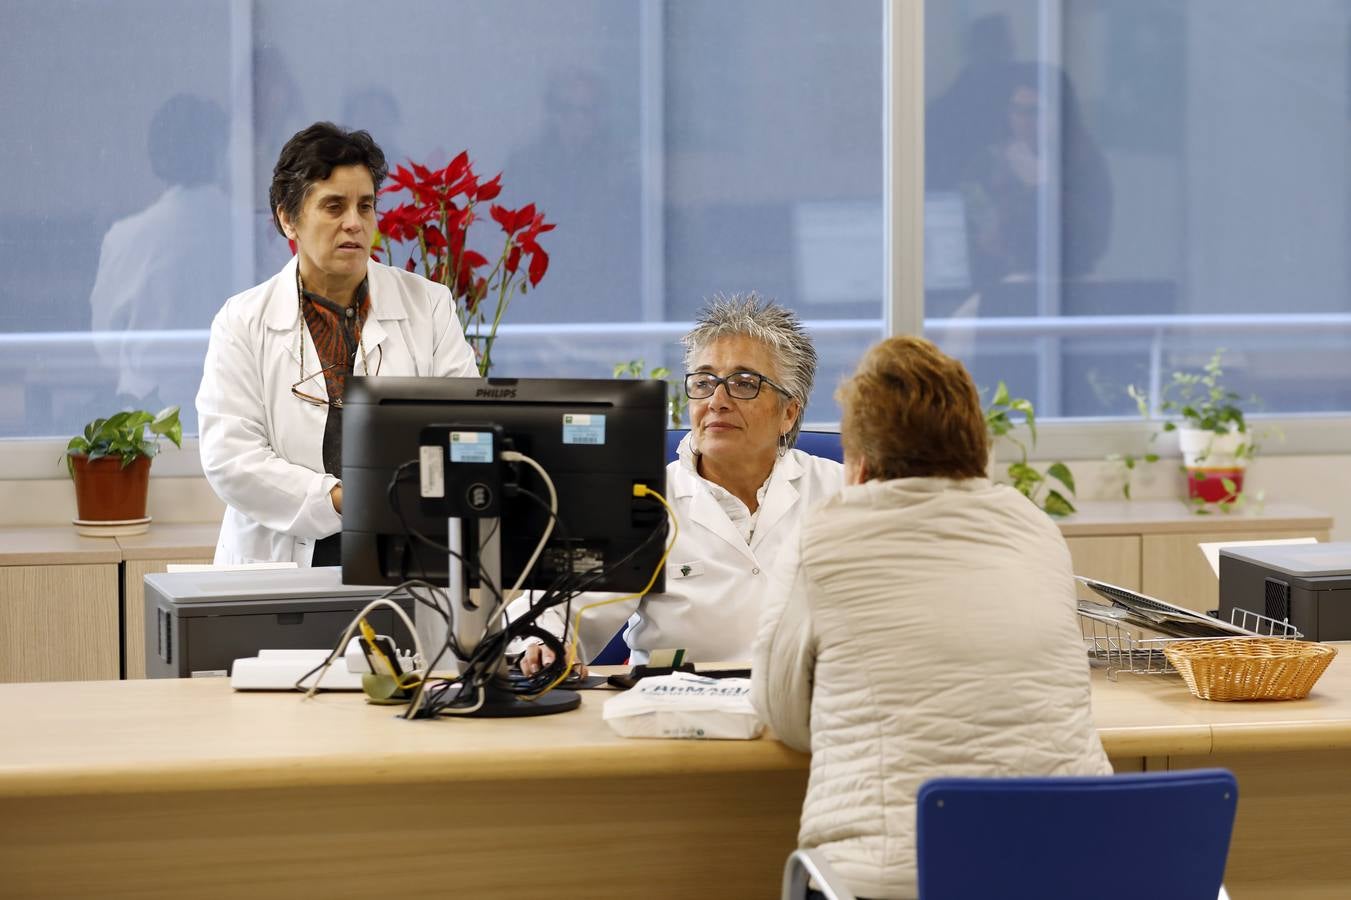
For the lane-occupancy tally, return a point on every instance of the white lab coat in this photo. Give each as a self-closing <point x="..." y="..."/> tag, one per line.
<point x="158" y="270"/>
<point x="262" y="448"/>
<point x="715" y="581"/>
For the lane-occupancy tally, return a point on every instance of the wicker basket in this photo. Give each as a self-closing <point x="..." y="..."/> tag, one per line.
<point x="1249" y="668"/>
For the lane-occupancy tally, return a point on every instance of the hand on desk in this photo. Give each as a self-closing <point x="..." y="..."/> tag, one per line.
<point x="538" y="656"/>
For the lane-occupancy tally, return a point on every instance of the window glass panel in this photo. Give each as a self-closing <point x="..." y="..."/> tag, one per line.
<point x="1116" y="189"/>
<point x="683" y="149"/>
<point x="117" y="215"/>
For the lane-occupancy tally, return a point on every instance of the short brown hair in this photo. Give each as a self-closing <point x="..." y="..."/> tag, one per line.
<point x="311" y="155"/>
<point x="912" y="411"/>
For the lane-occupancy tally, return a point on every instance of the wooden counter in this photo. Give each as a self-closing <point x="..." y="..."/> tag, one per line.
<point x="83" y="596"/>
<point x="1150" y="545"/>
<point x="180" y="788"/>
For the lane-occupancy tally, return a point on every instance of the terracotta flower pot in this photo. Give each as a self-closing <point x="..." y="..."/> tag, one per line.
<point x="106" y="492"/>
<point x="1212" y="460"/>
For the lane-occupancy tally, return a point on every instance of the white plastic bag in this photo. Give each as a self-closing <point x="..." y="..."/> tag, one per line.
<point x="682" y="705"/>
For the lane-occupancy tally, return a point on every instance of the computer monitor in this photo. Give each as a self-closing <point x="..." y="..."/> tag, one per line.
<point x="597" y="439"/>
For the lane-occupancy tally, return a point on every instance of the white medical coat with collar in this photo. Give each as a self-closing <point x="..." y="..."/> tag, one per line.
<point x="715" y="581"/>
<point x="261" y="447"/>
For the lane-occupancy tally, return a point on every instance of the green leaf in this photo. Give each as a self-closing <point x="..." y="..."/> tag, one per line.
<point x="1061" y="472"/>
<point x="1057" y="505"/>
<point x="1023" y="473"/>
<point x="166" y="424"/>
<point x="1001" y="395"/>
<point x="659" y="372"/>
<point x="1151" y="457"/>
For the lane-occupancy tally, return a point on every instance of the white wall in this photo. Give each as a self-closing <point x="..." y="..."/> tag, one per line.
<point x="1320" y="482"/>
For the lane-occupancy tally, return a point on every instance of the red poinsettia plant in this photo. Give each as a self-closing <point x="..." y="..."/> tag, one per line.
<point x="432" y="223"/>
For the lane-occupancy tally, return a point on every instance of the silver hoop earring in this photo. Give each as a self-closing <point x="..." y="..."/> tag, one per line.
<point x="783" y="445"/>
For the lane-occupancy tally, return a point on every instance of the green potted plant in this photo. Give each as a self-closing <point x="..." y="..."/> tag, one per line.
<point x="110" y="464"/>
<point x="1212" y="431"/>
<point x="1039" y="487"/>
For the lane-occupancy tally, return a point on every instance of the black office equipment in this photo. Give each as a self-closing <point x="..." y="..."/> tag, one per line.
<point x="199" y="623"/>
<point x="1308" y="585"/>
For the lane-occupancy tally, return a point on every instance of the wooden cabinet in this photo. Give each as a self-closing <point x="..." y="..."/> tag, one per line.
<point x="58" y="606"/>
<point x="72" y="607"/>
<point x="1151" y="545"/>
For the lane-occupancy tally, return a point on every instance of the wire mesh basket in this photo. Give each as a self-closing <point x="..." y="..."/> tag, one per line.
<point x="1260" y="668"/>
<point x="1122" y="649"/>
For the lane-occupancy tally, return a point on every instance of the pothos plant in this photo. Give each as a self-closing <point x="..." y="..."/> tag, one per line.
<point x="1201" y="402"/>
<point x="123" y="435"/>
<point x="1039" y="487"/>
<point x="676" y="402"/>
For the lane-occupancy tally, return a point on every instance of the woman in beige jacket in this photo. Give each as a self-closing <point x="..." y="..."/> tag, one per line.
<point x="931" y="629"/>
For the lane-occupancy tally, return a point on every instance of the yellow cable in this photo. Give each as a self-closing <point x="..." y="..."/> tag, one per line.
<point x="639" y="490"/>
<point x="404" y="682"/>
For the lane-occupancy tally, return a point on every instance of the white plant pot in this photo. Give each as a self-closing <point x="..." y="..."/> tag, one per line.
<point x="1207" y="450"/>
<point x="1214" y="465"/>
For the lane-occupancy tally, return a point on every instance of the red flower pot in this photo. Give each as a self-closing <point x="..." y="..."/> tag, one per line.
<point x="1208" y="484"/>
<point x="107" y="492"/>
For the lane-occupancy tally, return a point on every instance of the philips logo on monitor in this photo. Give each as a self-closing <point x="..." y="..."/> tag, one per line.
<point x="504" y="393"/>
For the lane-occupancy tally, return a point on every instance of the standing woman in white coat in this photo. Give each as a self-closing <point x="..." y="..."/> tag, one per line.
<point x="739" y="489"/>
<point x="270" y="404"/>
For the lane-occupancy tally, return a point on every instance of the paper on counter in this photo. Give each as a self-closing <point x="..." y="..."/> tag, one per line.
<point x="1212" y="550"/>
<point x="241" y="567"/>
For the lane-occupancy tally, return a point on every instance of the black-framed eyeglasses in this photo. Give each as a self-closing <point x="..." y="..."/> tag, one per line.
<point x="739" y="385"/>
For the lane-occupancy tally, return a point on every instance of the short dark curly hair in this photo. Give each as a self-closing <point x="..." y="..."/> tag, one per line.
<point x="311" y="155"/>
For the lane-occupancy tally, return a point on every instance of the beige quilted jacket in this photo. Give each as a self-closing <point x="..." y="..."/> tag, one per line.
<point x="931" y="630"/>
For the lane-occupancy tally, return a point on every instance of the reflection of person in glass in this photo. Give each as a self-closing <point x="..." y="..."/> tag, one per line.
<point x="1003" y="182"/>
<point x="586" y="178"/>
<point x="159" y="267"/>
<point x="270" y="405"/>
<point x="278" y="112"/>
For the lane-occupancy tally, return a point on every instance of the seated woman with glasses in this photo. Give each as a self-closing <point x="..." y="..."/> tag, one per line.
<point x="930" y="628"/>
<point x="739" y="489"/>
<point x="270" y="404"/>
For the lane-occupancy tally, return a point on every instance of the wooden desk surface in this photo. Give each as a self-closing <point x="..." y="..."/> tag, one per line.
<point x="168" y="734"/>
<point x="262" y="795"/>
<point x="1108" y="517"/>
<point x="54" y="545"/>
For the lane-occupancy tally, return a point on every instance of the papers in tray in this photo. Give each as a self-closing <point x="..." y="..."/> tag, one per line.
<point x="1127" y="607"/>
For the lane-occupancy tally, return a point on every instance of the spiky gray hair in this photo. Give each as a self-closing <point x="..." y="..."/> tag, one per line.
<point x="778" y="328"/>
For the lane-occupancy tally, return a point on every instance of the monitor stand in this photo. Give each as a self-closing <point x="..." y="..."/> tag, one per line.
<point x="471" y="617"/>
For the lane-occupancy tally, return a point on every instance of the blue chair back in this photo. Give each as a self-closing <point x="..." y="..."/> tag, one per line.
<point x="818" y="443"/>
<point x="1164" y="835"/>
<point x="615" y="653"/>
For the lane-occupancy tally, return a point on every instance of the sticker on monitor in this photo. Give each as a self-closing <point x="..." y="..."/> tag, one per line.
<point x="580" y="429"/>
<point x="471" y="447"/>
